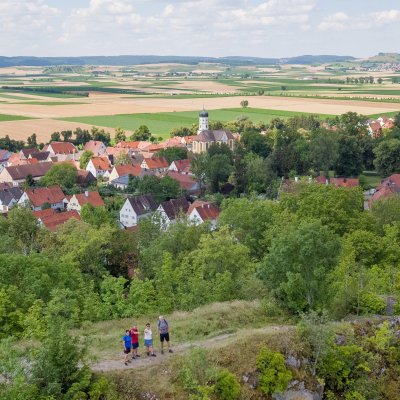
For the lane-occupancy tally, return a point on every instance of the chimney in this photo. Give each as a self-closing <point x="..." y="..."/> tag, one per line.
<point x="86" y="193"/>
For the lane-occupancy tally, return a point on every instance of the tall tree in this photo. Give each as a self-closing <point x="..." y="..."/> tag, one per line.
<point x="387" y="155"/>
<point x="349" y="161"/>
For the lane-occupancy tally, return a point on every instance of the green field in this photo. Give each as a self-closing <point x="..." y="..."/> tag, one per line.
<point x="5" y="117"/>
<point x="163" y="123"/>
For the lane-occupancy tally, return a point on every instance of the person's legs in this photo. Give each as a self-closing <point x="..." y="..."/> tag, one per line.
<point x="162" y="343"/>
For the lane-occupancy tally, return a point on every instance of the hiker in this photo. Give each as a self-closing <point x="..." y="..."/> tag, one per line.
<point x="148" y="340"/>
<point x="163" y="330"/>
<point x="134" y="332"/>
<point x="127" y="342"/>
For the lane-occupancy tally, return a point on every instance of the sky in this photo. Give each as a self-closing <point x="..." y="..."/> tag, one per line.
<point x="263" y="28"/>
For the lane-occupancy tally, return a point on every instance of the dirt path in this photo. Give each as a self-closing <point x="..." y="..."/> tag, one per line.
<point x="116" y="363"/>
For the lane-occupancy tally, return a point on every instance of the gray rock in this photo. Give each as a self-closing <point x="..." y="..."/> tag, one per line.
<point x="292" y="361"/>
<point x="297" y="395"/>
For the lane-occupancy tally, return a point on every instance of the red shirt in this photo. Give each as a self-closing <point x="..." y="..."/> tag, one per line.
<point x="134" y="336"/>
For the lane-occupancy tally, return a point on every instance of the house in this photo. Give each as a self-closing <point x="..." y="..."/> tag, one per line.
<point x="61" y="149"/>
<point x="40" y="156"/>
<point x="77" y="201"/>
<point x="186" y="182"/>
<point x="37" y="198"/>
<point x="339" y="182"/>
<point x="16" y="174"/>
<point x="127" y="169"/>
<point x="51" y="219"/>
<point x="206" y="137"/>
<point x="25" y="153"/>
<point x="156" y="164"/>
<point x="201" y="211"/>
<point x="388" y="187"/>
<point x="99" y="166"/>
<point x="181" y="166"/>
<point x="9" y="196"/>
<point x="96" y="147"/>
<point x="136" y="208"/>
<point x="169" y="211"/>
<point x="4" y="157"/>
<point x="85" y="178"/>
<point x="375" y="129"/>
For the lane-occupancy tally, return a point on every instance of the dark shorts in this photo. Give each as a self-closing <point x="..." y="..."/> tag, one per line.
<point x="127" y="350"/>
<point x="135" y="345"/>
<point x="164" y="336"/>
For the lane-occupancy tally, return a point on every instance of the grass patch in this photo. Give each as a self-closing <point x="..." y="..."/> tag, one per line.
<point x="205" y="322"/>
<point x="5" y="117"/>
<point x="163" y="123"/>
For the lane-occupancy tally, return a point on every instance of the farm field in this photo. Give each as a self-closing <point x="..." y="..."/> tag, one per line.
<point x="163" y="123"/>
<point x="165" y="96"/>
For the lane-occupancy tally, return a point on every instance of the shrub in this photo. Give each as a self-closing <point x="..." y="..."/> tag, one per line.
<point x="274" y="376"/>
<point x="371" y="303"/>
<point x="227" y="386"/>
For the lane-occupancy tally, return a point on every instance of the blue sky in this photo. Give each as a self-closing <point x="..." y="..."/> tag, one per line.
<point x="264" y="28"/>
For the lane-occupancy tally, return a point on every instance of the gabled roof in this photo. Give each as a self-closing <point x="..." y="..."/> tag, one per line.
<point x="84" y="177"/>
<point x="7" y="194"/>
<point x="93" y="146"/>
<point x="206" y="210"/>
<point x="142" y="204"/>
<point x="40" y="156"/>
<point x="186" y="182"/>
<point x="40" y="196"/>
<point x="213" y="136"/>
<point x="182" y="165"/>
<point x="92" y="198"/>
<point x="51" y="219"/>
<point x="174" y="207"/>
<point x="61" y="147"/>
<point x="133" y="145"/>
<point x="128" y="169"/>
<point x="156" y="163"/>
<point x="116" y="151"/>
<point x="27" y="152"/>
<point x="100" y="163"/>
<point x="4" y="155"/>
<point x="18" y="172"/>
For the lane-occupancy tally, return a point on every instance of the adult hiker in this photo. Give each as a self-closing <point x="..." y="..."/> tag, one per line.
<point x="148" y="340"/>
<point x="127" y="342"/>
<point x="163" y="330"/>
<point x="134" y="332"/>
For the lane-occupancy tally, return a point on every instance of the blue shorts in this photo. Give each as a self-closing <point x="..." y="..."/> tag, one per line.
<point x="135" y="345"/>
<point x="148" y="342"/>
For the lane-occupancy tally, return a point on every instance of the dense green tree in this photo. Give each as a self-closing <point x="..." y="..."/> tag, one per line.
<point x="120" y="135"/>
<point x="63" y="174"/>
<point x="82" y="136"/>
<point x="160" y="188"/>
<point x="387" y="211"/>
<point x="353" y="124"/>
<point x="349" y="161"/>
<point x="123" y="159"/>
<point x="173" y="153"/>
<point x="100" y="135"/>
<point x="96" y="216"/>
<point x="227" y="386"/>
<point x="257" y="143"/>
<point x="218" y="171"/>
<point x="32" y="141"/>
<point x="387" y="155"/>
<point x="199" y="164"/>
<point x="141" y="133"/>
<point x="55" y="137"/>
<point x="297" y="265"/>
<point x="67" y="135"/>
<point x="244" y="103"/>
<point x="86" y="156"/>
<point x="324" y="150"/>
<point x="181" y="131"/>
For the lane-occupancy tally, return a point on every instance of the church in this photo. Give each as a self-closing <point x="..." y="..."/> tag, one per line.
<point x="206" y="137"/>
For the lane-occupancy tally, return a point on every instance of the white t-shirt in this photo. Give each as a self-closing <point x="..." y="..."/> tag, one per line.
<point x="148" y="334"/>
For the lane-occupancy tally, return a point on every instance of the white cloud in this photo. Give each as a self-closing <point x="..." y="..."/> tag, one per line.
<point x="341" y="21"/>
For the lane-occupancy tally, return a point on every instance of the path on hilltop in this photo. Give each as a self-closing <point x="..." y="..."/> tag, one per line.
<point x="116" y="363"/>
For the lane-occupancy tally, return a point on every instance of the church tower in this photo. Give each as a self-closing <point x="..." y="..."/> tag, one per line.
<point x="203" y="121"/>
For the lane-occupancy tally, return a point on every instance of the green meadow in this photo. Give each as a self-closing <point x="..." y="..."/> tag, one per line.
<point x="5" y="117"/>
<point x="163" y="123"/>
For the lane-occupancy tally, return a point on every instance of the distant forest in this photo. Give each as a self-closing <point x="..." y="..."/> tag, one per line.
<point x="151" y="59"/>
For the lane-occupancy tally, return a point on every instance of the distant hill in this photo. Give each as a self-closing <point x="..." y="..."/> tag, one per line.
<point x="152" y="59"/>
<point x="386" y="58"/>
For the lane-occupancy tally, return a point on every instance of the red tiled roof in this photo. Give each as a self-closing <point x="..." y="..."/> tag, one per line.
<point x="157" y="162"/>
<point x="92" y="198"/>
<point x="52" y="221"/>
<point x="93" y="146"/>
<point x="375" y="126"/>
<point x="128" y="169"/>
<point x="43" y="213"/>
<point x="208" y="211"/>
<point x="345" y="182"/>
<point x="133" y="145"/>
<point x="116" y="151"/>
<point x="186" y="182"/>
<point x="61" y="147"/>
<point x="188" y="139"/>
<point x="385" y="190"/>
<point x="40" y="196"/>
<point x="182" y="165"/>
<point x="153" y="148"/>
<point x="100" y="163"/>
